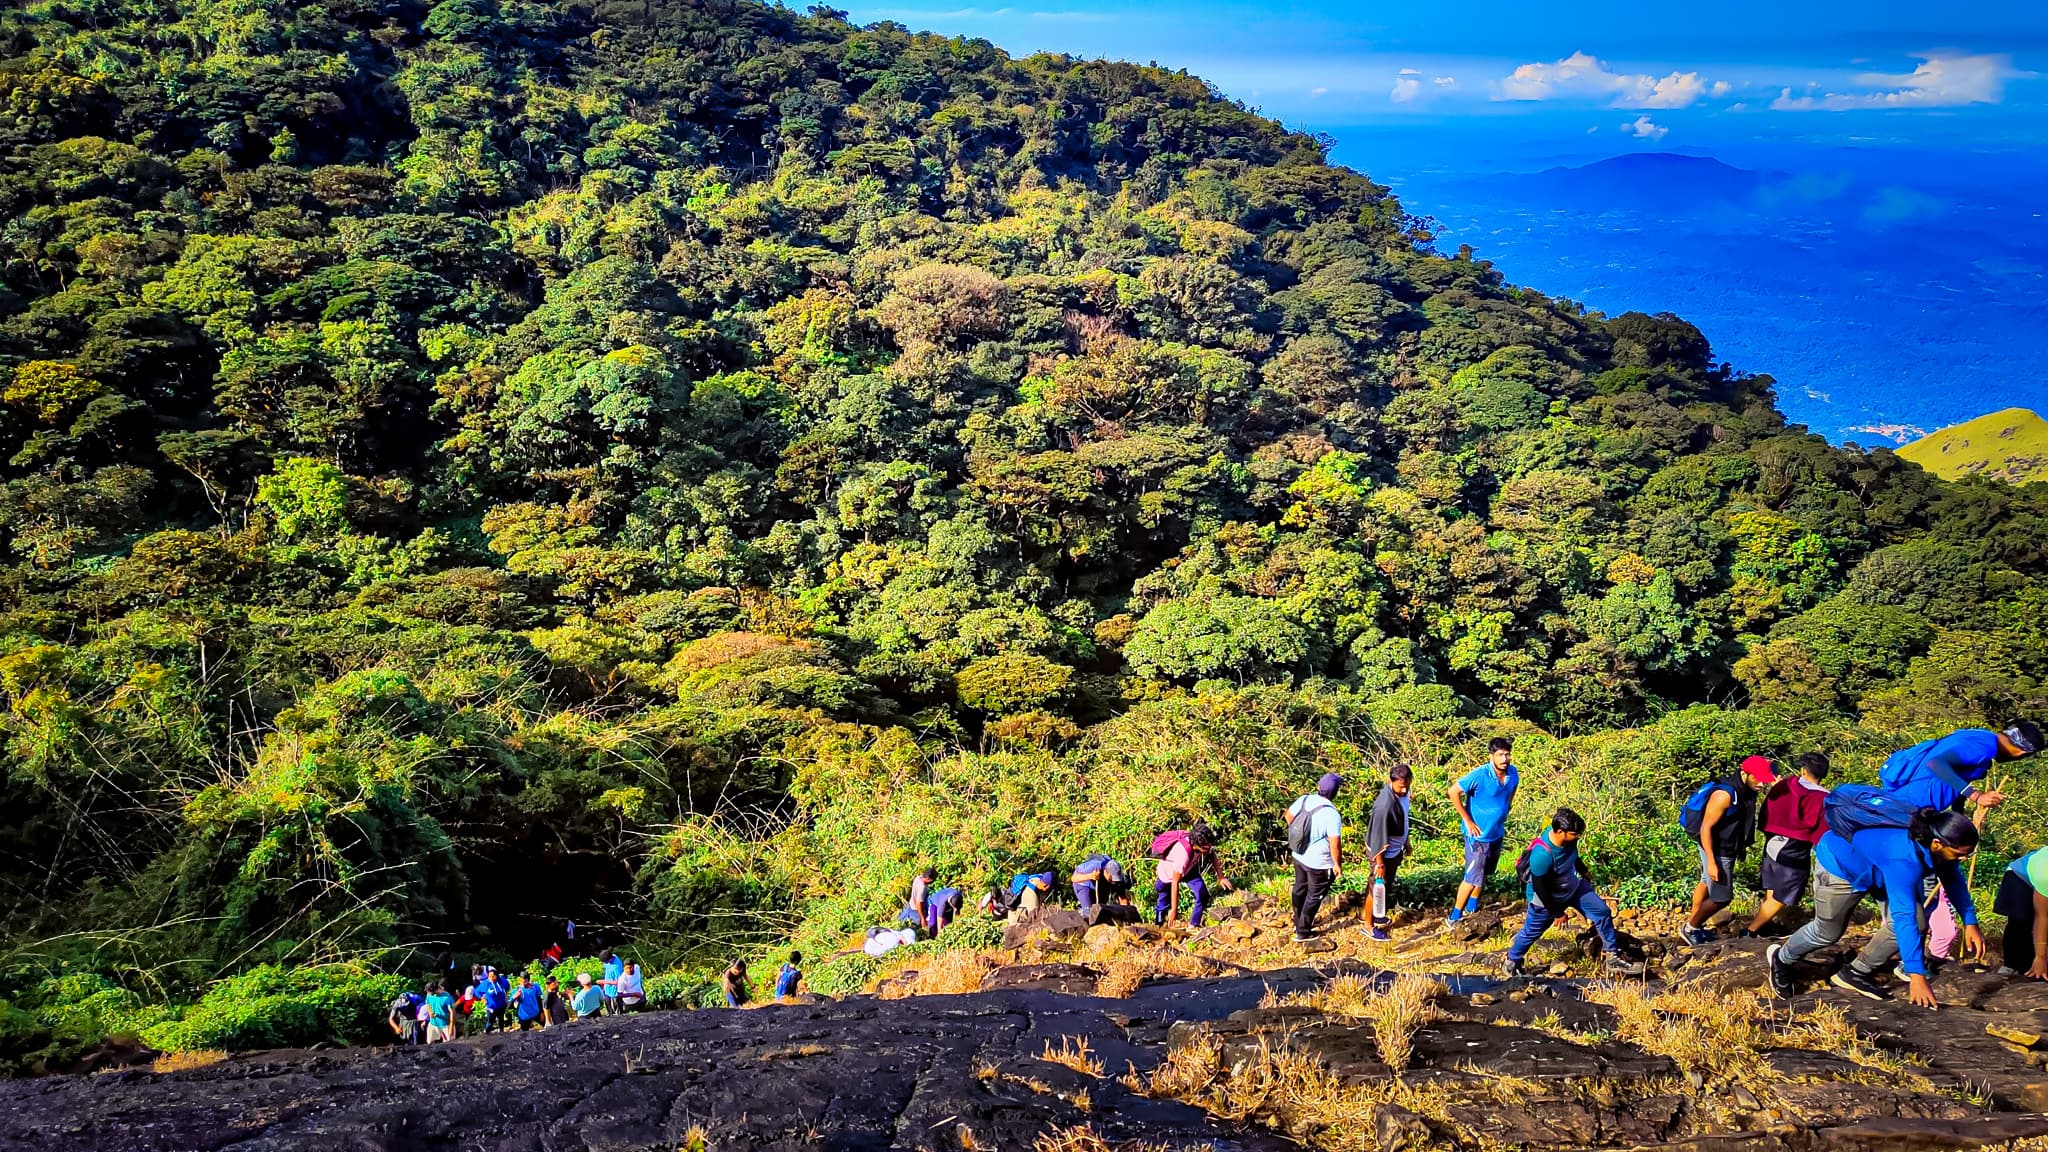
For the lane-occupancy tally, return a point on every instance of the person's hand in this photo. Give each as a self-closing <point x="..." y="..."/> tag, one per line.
<point x="1336" y="873"/>
<point x="1920" y="992"/>
<point x="1990" y="799"/>
<point x="1472" y="829"/>
<point x="2039" y="971"/>
<point x="1225" y="884"/>
<point x="1714" y="872"/>
<point x="1379" y="869"/>
<point x="1973" y="942"/>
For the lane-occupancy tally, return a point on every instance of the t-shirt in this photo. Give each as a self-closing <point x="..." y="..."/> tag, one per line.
<point x="1174" y="864"/>
<point x="1325" y="823"/>
<point x="1796" y="808"/>
<point x="2033" y="868"/>
<point x="1936" y="773"/>
<point x="527" y="1001"/>
<point x="440" y="1009"/>
<point x="588" y="999"/>
<point x="1398" y="845"/>
<point x="1488" y="798"/>
<point x="630" y="984"/>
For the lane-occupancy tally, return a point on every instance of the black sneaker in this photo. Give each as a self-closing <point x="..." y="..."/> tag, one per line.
<point x="1781" y="982"/>
<point x="1850" y="980"/>
<point x="1615" y="965"/>
<point x="1512" y="969"/>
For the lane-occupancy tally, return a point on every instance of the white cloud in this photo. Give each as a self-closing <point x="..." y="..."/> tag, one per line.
<point x="1582" y="76"/>
<point x="1642" y="128"/>
<point x="1409" y="87"/>
<point x="1318" y="91"/>
<point x="1942" y="80"/>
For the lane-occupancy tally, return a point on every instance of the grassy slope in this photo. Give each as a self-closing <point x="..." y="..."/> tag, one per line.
<point x="2009" y="445"/>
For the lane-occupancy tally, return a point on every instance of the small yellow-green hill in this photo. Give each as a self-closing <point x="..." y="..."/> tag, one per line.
<point x="2010" y="445"/>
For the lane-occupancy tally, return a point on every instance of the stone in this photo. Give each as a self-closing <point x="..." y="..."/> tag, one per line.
<point x="1237" y="931"/>
<point x="1474" y="927"/>
<point x="1317" y="944"/>
<point x="1399" y="1130"/>
<point x="1048" y="923"/>
<point x="1068" y="979"/>
<point x="1482" y="999"/>
<point x="1101" y="940"/>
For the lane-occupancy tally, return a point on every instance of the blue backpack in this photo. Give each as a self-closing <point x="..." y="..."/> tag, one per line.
<point x="1694" y="813"/>
<point x="1852" y="808"/>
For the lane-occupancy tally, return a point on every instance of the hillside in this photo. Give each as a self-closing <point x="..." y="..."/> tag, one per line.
<point x="2010" y="445"/>
<point x="681" y="466"/>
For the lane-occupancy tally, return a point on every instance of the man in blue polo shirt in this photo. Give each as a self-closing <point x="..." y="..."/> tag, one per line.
<point x="1483" y="798"/>
<point x="1939" y="773"/>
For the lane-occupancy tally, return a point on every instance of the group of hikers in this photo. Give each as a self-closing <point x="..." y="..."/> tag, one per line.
<point x="1901" y="839"/>
<point x="494" y="1002"/>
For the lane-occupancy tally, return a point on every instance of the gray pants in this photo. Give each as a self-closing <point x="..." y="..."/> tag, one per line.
<point x="1834" y="901"/>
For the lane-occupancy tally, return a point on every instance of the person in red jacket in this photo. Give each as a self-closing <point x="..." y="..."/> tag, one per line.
<point x="1793" y="822"/>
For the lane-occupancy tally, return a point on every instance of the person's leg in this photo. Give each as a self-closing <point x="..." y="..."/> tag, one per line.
<point x="1317" y="886"/>
<point x="1084" y="895"/>
<point x="1163" y="893"/>
<point x="1298" y="896"/>
<point x="1596" y="911"/>
<point x="1710" y="895"/>
<point x="1536" y="921"/>
<point x="1834" y="902"/>
<point x="1199" y="889"/>
<point x="1027" y="900"/>
<point x="1883" y="949"/>
<point x="1765" y="913"/>
<point x="1474" y="880"/>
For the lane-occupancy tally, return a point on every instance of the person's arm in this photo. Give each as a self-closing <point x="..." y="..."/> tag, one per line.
<point x="1464" y="813"/>
<point x="1717" y="807"/>
<point x="1337" y="856"/>
<point x="1902" y="878"/>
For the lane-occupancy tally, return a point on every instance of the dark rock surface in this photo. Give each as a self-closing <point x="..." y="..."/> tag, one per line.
<point x="937" y="1072"/>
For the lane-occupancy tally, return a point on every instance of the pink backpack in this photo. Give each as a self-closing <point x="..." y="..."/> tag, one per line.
<point x="1165" y="841"/>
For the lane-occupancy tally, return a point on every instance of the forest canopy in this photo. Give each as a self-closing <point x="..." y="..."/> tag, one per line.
<point x="465" y="462"/>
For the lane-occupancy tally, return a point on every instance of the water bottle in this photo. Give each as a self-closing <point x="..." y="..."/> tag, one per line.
<point x="1379" y="898"/>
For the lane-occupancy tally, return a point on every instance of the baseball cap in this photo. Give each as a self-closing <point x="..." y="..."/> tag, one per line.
<point x="1761" y="769"/>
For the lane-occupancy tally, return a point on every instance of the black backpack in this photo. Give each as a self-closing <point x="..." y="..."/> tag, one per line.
<point x="1299" y="826"/>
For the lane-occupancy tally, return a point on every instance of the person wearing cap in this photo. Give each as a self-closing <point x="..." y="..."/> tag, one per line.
<point x="589" y="998"/>
<point x="1099" y="882"/>
<point x="1727" y="826"/>
<point x="1793" y="822"/>
<point x="1320" y="862"/>
<point x="1942" y="774"/>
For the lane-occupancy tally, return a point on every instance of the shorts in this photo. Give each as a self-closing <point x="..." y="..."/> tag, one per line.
<point x="1784" y="873"/>
<point x="1723" y="890"/>
<point x="1481" y="858"/>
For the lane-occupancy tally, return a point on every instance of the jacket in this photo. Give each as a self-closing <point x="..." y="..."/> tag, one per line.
<point x="1887" y="860"/>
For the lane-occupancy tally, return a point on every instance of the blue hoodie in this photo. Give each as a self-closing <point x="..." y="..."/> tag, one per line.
<point x="1937" y="773"/>
<point x="1887" y="860"/>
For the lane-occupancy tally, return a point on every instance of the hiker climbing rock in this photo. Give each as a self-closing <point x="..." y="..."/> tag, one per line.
<point x="1555" y="878"/>
<point x="1183" y="856"/>
<point x="1793" y="822"/>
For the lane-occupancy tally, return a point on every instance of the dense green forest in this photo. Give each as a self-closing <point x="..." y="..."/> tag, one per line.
<point x="684" y="465"/>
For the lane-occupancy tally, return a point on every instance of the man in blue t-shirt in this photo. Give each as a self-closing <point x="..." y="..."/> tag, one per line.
<point x="1559" y="880"/>
<point x="527" y="1003"/>
<point x="1483" y="798"/>
<point x="1941" y="773"/>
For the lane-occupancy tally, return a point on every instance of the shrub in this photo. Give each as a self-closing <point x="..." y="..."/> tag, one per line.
<point x="276" y="1007"/>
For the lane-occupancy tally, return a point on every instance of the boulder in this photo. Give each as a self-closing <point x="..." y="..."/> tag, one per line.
<point x="1046" y="923"/>
<point x="1399" y="1130"/>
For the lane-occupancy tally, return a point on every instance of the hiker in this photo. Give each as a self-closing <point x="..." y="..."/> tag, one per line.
<point x="1720" y="816"/>
<point x="1554" y="879"/>
<point x="1026" y="892"/>
<point x="1793" y="821"/>
<point x="941" y="909"/>
<point x="467" y="1005"/>
<point x="789" y="981"/>
<point x="1182" y="858"/>
<point x="497" y="996"/>
<point x="557" y="1006"/>
<point x="405" y="1016"/>
<point x="2023" y="900"/>
<point x="1315" y="832"/>
<point x="589" y="998"/>
<point x="1943" y="773"/>
<point x="440" y="1014"/>
<point x="614" y="967"/>
<point x="529" y="1004"/>
<point x="550" y="956"/>
<point x="630" y="991"/>
<point x="1386" y="841"/>
<point x="735" y="981"/>
<point x="920" y="887"/>
<point x="1483" y="798"/>
<point x="1100" y="883"/>
<point x="1875" y="843"/>
<point x="883" y="940"/>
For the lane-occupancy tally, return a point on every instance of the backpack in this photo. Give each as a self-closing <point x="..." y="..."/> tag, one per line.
<point x="1165" y="841"/>
<point x="1694" y="813"/>
<point x="1522" y="873"/>
<point x="1852" y="808"/>
<point x="1301" y="825"/>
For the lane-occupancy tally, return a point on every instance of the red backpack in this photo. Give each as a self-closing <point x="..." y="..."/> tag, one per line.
<point x="1165" y="841"/>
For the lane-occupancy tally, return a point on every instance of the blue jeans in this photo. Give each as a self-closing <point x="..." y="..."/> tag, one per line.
<point x="1196" y="888"/>
<point x="1536" y="920"/>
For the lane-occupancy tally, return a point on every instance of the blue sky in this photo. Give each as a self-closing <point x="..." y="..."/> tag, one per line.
<point x="1698" y="74"/>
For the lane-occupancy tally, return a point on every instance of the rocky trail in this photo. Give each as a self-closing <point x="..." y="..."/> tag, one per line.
<point x="1035" y="1061"/>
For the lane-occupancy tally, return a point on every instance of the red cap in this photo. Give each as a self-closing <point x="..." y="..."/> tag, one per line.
<point x="1760" y="769"/>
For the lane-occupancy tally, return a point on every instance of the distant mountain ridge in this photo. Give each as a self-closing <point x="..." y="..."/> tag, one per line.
<point x="2010" y="445"/>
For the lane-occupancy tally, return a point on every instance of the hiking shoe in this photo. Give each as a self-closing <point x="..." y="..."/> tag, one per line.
<point x="1781" y="980"/>
<point x="1380" y="935"/>
<point x="1850" y="980"/>
<point x="1301" y="939"/>
<point x="1617" y="966"/>
<point x="1694" y="937"/>
<point x="1456" y="915"/>
<point x="1745" y="934"/>
<point x="2007" y="970"/>
<point x="1512" y="969"/>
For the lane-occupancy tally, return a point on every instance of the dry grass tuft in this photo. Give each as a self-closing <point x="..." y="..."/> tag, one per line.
<point x="941" y="974"/>
<point x="186" y="1061"/>
<point x="1131" y="967"/>
<point x="1344" y="996"/>
<point x="695" y="1140"/>
<point x="1084" y="1138"/>
<point x="1074" y="1053"/>
<point x="1406" y="1005"/>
